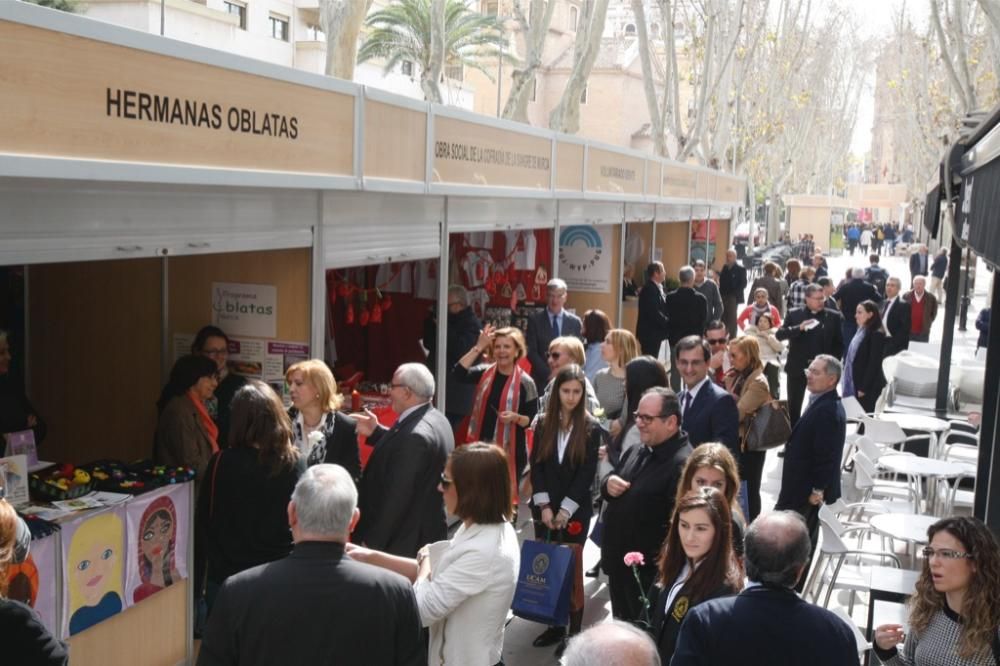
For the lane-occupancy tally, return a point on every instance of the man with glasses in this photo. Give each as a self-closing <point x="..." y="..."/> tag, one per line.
<point x="401" y="508"/>
<point x="717" y="337"/>
<point x="543" y="327"/>
<point x="811" y="473"/>
<point x="640" y="499"/>
<point x="708" y="411"/>
<point x="811" y="330"/>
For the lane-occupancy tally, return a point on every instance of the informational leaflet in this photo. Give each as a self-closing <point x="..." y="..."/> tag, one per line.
<point x="14" y="479"/>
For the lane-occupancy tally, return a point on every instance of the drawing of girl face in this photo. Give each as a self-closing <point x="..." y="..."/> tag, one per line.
<point x="157" y="536"/>
<point x="92" y="572"/>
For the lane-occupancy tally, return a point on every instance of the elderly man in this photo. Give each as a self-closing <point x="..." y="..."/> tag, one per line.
<point x="652" y="327"/>
<point x="401" y="507"/>
<point x="923" y="310"/>
<point x="708" y="289"/>
<point x="767" y="623"/>
<point x="919" y="263"/>
<point x="851" y="293"/>
<point x="463" y="332"/>
<point x="810" y="331"/>
<point x="896" y="318"/>
<point x="640" y="498"/>
<point x="732" y="284"/>
<point x="545" y="326"/>
<point x="316" y="606"/>
<point x="612" y="644"/>
<point x="811" y="473"/>
<point x="687" y="311"/>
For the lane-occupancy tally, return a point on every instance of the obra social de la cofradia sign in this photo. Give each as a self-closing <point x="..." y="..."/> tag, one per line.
<point x="245" y="309"/>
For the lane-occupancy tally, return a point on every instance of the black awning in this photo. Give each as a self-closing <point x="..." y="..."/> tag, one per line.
<point x="978" y="216"/>
<point x="932" y="211"/>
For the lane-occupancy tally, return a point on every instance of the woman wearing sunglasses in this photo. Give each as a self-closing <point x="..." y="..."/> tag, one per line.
<point x="955" y="610"/>
<point x="464" y="586"/>
<point x="563" y="351"/>
<point x="563" y="464"/>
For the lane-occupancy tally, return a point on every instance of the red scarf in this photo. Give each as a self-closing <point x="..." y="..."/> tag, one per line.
<point x="207" y="423"/>
<point x="505" y="434"/>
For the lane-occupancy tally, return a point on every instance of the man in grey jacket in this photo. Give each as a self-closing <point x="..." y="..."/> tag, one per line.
<point x="709" y="289"/>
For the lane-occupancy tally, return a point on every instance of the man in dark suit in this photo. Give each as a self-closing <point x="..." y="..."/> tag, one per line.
<point x="767" y="623"/>
<point x="919" y="263"/>
<point x="708" y="411"/>
<point x="811" y="473"/>
<point x="401" y="507"/>
<point x="810" y="331"/>
<point x="545" y="326"/>
<point x="896" y="317"/>
<point x="640" y="499"/>
<point x="852" y="292"/>
<point x="687" y="311"/>
<point x="316" y="606"/>
<point x="732" y="284"/>
<point x="652" y="327"/>
<point x="463" y="332"/>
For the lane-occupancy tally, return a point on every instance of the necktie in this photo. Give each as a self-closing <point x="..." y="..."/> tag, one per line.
<point x="687" y="402"/>
<point x="555" y="325"/>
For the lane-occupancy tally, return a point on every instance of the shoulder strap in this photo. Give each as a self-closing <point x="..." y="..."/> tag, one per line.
<point x="211" y="497"/>
<point x="996" y="648"/>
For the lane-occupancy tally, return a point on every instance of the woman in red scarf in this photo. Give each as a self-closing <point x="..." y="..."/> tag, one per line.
<point x="506" y="399"/>
<point x="185" y="433"/>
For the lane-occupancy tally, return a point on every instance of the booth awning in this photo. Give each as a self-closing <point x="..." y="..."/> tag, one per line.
<point x="932" y="211"/>
<point x="978" y="207"/>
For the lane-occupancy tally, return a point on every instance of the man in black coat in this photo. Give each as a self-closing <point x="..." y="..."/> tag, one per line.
<point x="919" y="262"/>
<point x="401" y="507"/>
<point x="811" y="473"/>
<point x="652" y="327"/>
<point x="687" y="310"/>
<point x="316" y="606"/>
<point x="767" y="623"/>
<point x="852" y="292"/>
<point x="463" y="332"/>
<point x="810" y="331"/>
<point x="896" y="317"/>
<point x="640" y="499"/>
<point x="708" y="411"/>
<point x="732" y="284"/>
<point x="545" y="326"/>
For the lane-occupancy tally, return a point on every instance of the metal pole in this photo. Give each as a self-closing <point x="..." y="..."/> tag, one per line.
<point x="948" y="333"/>
<point x="987" y="502"/>
<point x="441" y="371"/>
<point x="163" y="4"/>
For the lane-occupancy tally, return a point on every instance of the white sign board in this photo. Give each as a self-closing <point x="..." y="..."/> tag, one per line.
<point x="585" y="258"/>
<point x="245" y="309"/>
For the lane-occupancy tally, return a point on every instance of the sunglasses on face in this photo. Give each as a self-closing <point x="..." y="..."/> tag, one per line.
<point x="716" y="341"/>
<point x="555" y="355"/>
<point x="445" y="481"/>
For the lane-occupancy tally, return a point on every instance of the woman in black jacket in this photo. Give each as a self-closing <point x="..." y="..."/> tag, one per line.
<point x="863" y="376"/>
<point x="563" y="464"/>
<point x="697" y="564"/>
<point x="320" y="432"/>
<point x="242" y="515"/>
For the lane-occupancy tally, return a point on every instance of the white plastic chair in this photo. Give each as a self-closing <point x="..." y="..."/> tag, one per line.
<point x="859" y="637"/>
<point x="889" y="433"/>
<point x="855" y="412"/>
<point x="868" y="481"/>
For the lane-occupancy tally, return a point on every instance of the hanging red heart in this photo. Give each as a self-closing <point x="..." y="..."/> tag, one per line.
<point x="363" y="319"/>
<point x="499" y="274"/>
<point x="349" y="316"/>
<point x="386" y="302"/>
<point x="343" y="290"/>
<point x="376" y="314"/>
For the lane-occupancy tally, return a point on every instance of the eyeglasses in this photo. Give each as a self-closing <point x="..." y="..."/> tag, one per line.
<point x="946" y="553"/>
<point x="809" y="372"/>
<point x="445" y="481"/>
<point x="554" y="355"/>
<point x="716" y="341"/>
<point x="646" y="419"/>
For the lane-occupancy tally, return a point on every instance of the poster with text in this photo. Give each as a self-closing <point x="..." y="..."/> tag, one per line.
<point x="33" y="582"/>
<point x="157" y="526"/>
<point x="585" y="258"/>
<point x="14" y="479"/>
<point x="93" y="561"/>
<point x="245" y="309"/>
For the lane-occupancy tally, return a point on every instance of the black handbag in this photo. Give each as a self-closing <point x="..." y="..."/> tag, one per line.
<point x="769" y="427"/>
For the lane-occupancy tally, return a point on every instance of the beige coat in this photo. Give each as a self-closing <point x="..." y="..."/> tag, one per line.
<point x="180" y="437"/>
<point x="755" y="393"/>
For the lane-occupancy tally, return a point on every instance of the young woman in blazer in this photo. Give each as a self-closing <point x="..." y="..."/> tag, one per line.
<point x="185" y="432"/>
<point x="563" y="464"/>
<point x="320" y="432"/>
<point x="696" y="564"/>
<point x="863" y="376"/>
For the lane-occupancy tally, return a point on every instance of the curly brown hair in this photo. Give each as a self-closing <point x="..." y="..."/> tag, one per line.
<point x="981" y="604"/>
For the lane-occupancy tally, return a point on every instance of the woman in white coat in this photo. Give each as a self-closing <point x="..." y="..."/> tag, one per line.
<point x="464" y="586"/>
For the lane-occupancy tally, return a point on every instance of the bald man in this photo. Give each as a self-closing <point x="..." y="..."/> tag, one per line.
<point x="612" y="644"/>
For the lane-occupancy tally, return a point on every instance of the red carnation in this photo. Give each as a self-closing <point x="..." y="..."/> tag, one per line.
<point x="574" y="527"/>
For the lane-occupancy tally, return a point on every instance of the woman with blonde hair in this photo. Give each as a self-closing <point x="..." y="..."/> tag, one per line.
<point x="955" y="611"/>
<point x="320" y="432"/>
<point x="619" y="347"/>
<point x="746" y="382"/>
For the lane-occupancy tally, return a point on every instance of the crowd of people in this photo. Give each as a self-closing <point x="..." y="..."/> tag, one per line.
<point x="644" y="433"/>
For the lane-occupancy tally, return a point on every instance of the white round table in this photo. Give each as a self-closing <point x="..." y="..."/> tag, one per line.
<point x="908" y="527"/>
<point x="915" y="421"/>
<point x="921" y="466"/>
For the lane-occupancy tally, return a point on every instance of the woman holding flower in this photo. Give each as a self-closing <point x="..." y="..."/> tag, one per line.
<point x="696" y="564"/>
<point x="320" y="432"/>
<point x="563" y="464"/>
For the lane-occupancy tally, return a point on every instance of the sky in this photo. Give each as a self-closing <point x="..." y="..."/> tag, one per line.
<point x="876" y="19"/>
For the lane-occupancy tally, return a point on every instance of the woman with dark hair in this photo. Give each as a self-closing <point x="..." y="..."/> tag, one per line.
<point x="595" y="328"/>
<point x="863" y="377"/>
<point x="186" y="435"/>
<point x="320" y="431"/>
<point x="955" y="611"/>
<point x="26" y="641"/>
<point x="242" y="515"/>
<point x="506" y="399"/>
<point x="696" y="564"/>
<point x="747" y="384"/>
<point x="711" y="465"/>
<point x="641" y="373"/>
<point x="212" y="342"/>
<point x="563" y="464"/>
<point x="16" y="412"/>
<point x="464" y="586"/>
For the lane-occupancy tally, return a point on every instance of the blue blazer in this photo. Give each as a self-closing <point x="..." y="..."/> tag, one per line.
<point x="713" y="417"/>
<point x="763" y="626"/>
<point x="813" y="453"/>
<point x="538" y="336"/>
